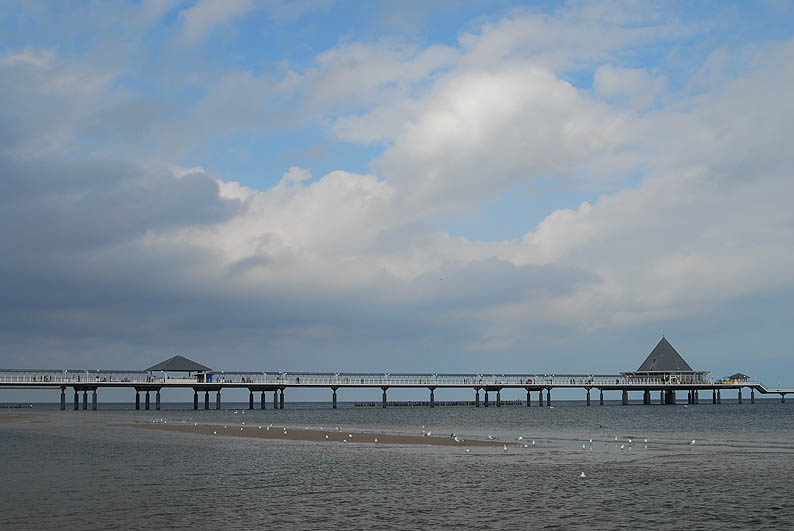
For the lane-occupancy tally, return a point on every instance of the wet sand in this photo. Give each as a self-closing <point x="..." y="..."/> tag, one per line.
<point x="295" y="434"/>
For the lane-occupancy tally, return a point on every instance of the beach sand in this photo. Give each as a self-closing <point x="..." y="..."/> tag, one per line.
<point x="299" y="434"/>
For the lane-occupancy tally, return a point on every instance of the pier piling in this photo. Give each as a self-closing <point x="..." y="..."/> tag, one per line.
<point x="76" y="400"/>
<point x="206" y="400"/>
<point x="157" y="400"/>
<point x="646" y="397"/>
<point x="281" y="399"/>
<point x="218" y="399"/>
<point x="740" y="395"/>
<point x="588" y="396"/>
<point x="148" y="402"/>
<point x="548" y="396"/>
<point x="250" y="399"/>
<point x="713" y="396"/>
<point x="85" y="399"/>
<point x="752" y="396"/>
<point x="275" y="399"/>
<point x="529" y="398"/>
<point x="195" y="399"/>
<point x="262" y="400"/>
<point x="63" y="398"/>
<point x="334" y="398"/>
<point x="137" y="400"/>
<point x="486" y="398"/>
<point x="432" y="397"/>
<point x="498" y="398"/>
<point x="719" y="398"/>
<point x="600" y="397"/>
<point x="384" y="396"/>
<point x="625" y="398"/>
<point x="93" y="400"/>
<point x="540" y="398"/>
<point x="477" y="397"/>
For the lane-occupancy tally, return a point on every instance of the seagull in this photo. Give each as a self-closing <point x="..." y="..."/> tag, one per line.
<point x="326" y="436"/>
<point x="376" y="439"/>
<point x="215" y="433"/>
<point x="616" y="437"/>
<point x="338" y="428"/>
<point x="457" y="439"/>
<point x="591" y="441"/>
<point x="285" y="431"/>
<point x="582" y="475"/>
<point x="241" y="429"/>
<point x="491" y="437"/>
<point x="260" y="427"/>
<point x="505" y="448"/>
<point x="520" y="437"/>
<point x="533" y="442"/>
<point x="621" y="447"/>
<point x="526" y="446"/>
<point x="350" y="435"/>
<point x="243" y="423"/>
<point x="692" y="442"/>
<point x="224" y="426"/>
<point x="629" y="440"/>
<point x="468" y="451"/>
<point x="344" y="440"/>
<point x="584" y="447"/>
<point x="195" y="423"/>
<point x="307" y="428"/>
<point x="645" y="441"/>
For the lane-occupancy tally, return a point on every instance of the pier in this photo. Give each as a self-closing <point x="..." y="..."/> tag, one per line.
<point x="664" y="374"/>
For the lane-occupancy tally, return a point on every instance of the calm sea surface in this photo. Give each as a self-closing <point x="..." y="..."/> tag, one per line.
<point x="76" y="470"/>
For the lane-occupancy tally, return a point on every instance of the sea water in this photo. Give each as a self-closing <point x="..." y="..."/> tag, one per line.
<point x="83" y="470"/>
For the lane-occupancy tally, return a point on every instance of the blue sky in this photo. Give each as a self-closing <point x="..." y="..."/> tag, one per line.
<point x="319" y="185"/>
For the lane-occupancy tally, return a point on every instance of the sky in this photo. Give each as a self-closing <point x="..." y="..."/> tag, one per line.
<point x="397" y="186"/>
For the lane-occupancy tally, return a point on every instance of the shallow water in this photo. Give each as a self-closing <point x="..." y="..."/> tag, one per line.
<point x="75" y="470"/>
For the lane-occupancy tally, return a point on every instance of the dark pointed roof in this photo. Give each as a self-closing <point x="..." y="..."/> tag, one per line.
<point x="738" y="376"/>
<point x="664" y="358"/>
<point x="178" y="363"/>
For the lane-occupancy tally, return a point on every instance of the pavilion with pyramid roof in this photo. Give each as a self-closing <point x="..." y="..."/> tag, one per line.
<point x="666" y="366"/>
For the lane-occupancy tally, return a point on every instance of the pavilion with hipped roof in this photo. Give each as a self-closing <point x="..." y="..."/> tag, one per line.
<point x="181" y="364"/>
<point x="666" y="366"/>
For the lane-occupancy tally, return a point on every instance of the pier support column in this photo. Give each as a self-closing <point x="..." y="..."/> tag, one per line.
<point x="661" y="397"/>
<point x="697" y="397"/>
<point x="148" y="402"/>
<point x="486" y="398"/>
<point x="195" y="399"/>
<point x="782" y="398"/>
<point x="476" y="398"/>
<point x="63" y="398"/>
<point x="646" y="397"/>
<point x="218" y="399"/>
<point x="281" y="399"/>
<point x="689" y="396"/>
<point x="529" y="398"/>
<point x="157" y="400"/>
<point x="740" y="395"/>
<point x="498" y="398"/>
<point x="713" y="396"/>
<point x="384" y="396"/>
<point x="540" y="398"/>
<point x="625" y="400"/>
<point x="719" y="398"/>
<point x="588" y="397"/>
<point x="85" y="399"/>
<point x="334" y="399"/>
<point x="600" y="397"/>
<point x="206" y="400"/>
<point x="76" y="400"/>
<point x="262" y="400"/>
<point x="250" y="399"/>
<point x="752" y="396"/>
<point x="275" y="399"/>
<point x="432" y="397"/>
<point x="137" y="400"/>
<point x="548" y="396"/>
<point x="93" y="401"/>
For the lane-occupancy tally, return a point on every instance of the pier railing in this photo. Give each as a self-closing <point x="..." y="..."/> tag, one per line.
<point x="345" y="379"/>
